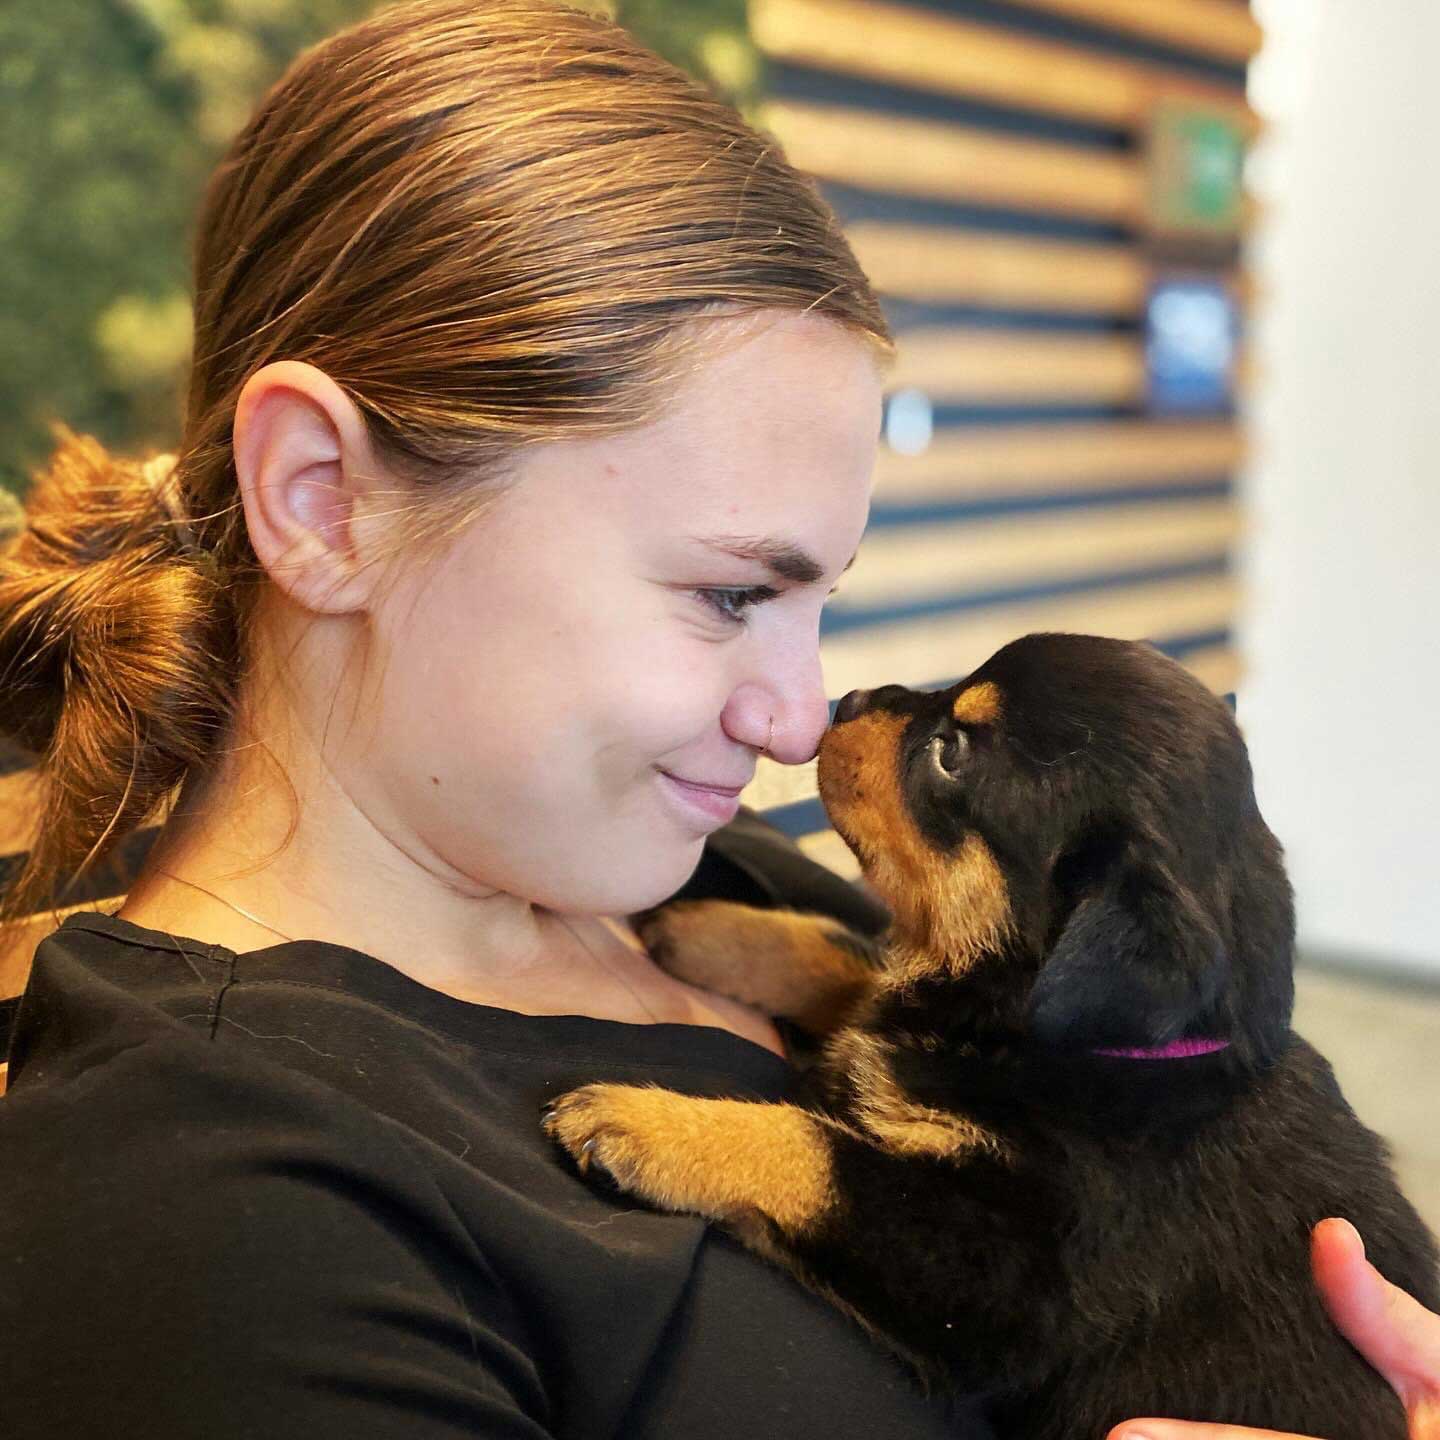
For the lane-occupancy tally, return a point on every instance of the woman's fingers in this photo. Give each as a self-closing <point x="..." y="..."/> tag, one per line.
<point x="1391" y="1329"/>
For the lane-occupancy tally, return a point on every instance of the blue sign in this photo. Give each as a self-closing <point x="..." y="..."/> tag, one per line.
<point x="1192" y="335"/>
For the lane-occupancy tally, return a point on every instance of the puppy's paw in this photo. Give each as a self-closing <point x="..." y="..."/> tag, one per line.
<point x="806" y="968"/>
<point x="686" y="940"/>
<point x="626" y="1131"/>
<point x="724" y="1159"/>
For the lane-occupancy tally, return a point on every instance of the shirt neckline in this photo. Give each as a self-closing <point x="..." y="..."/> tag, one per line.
<point x="327" y="965"/>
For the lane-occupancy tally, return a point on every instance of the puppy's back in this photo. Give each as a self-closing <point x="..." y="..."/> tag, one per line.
<point x="1189" y="1261"/>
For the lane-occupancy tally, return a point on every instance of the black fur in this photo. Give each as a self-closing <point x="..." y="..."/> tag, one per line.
<point x="1138" y="1243"/>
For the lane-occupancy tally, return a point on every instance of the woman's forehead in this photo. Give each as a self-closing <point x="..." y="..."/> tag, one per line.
<point x="766" y="453"/>
<point x="794" y="504"/>
<point x="784" y="409"/>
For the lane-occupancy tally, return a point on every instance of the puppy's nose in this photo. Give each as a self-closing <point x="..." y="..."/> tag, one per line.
<point x="851" y="706"/>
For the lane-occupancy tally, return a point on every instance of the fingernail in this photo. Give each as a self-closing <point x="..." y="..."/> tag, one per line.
<point x="1359" y="1238"/>
<point x="1356" y="1238"/>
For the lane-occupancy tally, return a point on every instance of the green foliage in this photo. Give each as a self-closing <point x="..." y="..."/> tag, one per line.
<point x="114" y="112"/>
<point x="708" y="38"/>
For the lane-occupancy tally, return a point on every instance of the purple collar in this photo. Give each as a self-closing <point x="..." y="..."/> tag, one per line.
<point x="1175" y="1050"/>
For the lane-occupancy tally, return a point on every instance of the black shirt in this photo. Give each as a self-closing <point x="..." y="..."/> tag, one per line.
<point x="293" y="1192"/>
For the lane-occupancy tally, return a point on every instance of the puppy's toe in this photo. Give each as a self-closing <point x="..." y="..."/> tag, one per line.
<point x="596" y="1126"/>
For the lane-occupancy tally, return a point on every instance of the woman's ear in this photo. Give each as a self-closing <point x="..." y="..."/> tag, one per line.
<point x="1137" y="960"/>
<point x="306" y="470"/>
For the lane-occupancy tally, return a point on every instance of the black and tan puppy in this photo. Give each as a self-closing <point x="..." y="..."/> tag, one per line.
<point x="1063" y="1148"/>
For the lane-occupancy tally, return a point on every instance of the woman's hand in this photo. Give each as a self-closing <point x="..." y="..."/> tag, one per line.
<point x="1393" y="1331"/>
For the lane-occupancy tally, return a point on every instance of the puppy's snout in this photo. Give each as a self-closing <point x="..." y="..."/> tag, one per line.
<point x="857" y="702"/>
<point x="850" y="706"/>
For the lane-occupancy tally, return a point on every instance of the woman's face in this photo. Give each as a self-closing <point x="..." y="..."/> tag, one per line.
<point x="536" y="686"/>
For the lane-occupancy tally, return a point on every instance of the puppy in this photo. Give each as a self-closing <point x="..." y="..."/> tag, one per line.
<point x="1061" y="1147"/>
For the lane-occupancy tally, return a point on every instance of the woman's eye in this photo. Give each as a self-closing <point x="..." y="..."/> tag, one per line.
<point x="733" y="604"/>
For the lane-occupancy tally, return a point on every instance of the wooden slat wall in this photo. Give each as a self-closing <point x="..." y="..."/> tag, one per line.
<point x="921" y="263"/>
<point x="988" y="158"/>
<point x="1222" y="28"/>
<point x="921" y="49"/>
<point x="958" y="163"/>
<point x="1002" y="462"/>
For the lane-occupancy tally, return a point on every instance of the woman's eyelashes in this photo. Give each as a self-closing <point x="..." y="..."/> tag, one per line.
<point x="732" y="603"/>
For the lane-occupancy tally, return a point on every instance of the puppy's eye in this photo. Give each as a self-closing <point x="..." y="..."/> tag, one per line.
<point x="948" y="753"/>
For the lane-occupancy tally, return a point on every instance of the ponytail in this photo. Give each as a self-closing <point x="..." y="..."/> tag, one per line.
<point x="117" y="663"/>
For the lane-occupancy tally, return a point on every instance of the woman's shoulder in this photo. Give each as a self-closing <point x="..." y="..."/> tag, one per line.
<point x="193" y="1230"/>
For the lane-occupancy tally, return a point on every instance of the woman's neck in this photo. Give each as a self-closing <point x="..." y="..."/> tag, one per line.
<point x="493" y="949"/>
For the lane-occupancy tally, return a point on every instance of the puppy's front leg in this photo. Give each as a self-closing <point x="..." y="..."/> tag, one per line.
<point x="758" y="1168"/>
<point x="806" y="968"/>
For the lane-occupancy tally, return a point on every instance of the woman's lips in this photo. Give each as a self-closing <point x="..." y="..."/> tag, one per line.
<point x="706" y="785"/>
<point x="714" y="802"/>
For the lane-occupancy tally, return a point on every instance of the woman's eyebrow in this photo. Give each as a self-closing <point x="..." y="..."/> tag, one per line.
<point x="784" y="559"/>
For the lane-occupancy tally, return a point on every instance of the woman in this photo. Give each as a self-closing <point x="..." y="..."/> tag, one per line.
<point x="532" y="418"/>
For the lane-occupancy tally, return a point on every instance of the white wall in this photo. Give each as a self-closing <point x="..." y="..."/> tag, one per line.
<point x="1341" y="704"/>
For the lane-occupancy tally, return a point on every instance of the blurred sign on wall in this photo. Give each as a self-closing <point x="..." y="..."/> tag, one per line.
<point x="1191" y="340"/>
<point x="1196" y="158"/>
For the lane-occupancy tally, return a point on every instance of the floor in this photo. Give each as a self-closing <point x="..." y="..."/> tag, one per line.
<point x="1384" y="1043"/>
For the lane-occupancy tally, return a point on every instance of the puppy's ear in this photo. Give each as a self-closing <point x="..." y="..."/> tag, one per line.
<point x="1136" y="961"/>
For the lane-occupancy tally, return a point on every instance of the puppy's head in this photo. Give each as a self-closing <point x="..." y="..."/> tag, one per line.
<point x="1076" y="821"/>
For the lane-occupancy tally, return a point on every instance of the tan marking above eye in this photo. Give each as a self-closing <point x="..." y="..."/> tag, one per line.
<point x="979" y="705"/>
